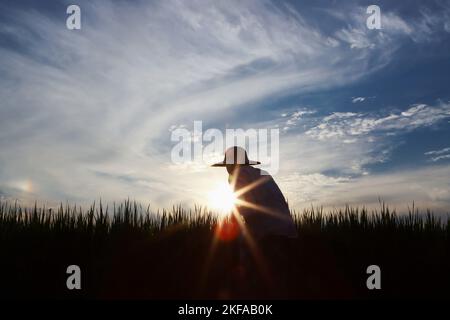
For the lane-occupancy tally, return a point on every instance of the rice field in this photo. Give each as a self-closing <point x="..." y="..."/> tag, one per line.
<point x="128" y="251"/>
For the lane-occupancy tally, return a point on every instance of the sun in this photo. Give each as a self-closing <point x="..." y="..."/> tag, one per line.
<point x="222" y="199"/>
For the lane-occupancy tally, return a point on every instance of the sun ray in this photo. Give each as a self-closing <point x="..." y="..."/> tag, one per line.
<point x="254" y="250"/>
<point x="266" y="210"/>
<point x="209" y="258"/>
<point x="251" y="186"/>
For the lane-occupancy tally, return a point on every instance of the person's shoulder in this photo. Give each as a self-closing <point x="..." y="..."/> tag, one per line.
<point x="256" y="172"/>
<point x="264" y="173"/>
<point x="252" y="173"/>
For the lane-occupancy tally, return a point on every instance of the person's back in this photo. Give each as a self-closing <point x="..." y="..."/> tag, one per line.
<point x="263" y="205"/>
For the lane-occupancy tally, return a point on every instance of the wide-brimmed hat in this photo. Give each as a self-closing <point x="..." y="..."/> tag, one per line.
<point x="236" y="155"/>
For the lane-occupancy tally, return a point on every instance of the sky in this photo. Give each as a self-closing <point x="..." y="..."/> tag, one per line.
<point x="363" y="114"/>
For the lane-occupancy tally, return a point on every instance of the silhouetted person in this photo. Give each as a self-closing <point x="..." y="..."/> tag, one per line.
<point x="265" y="211"/>
<point x="262" y="204"/>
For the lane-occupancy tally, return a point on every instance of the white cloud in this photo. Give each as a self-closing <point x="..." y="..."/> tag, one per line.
<point x="358" y="99"/>
<point x="438" y="152"/>
<point x="447" y="27"/>
<point x="306" y="188"/>
<point x="356" y="38"/>
<point x="437" y="155"/>
<point x="422" y="28"/>
<point x="445" y="156"/>
<point x="294" y="117"/>
<point x="344" y="125"/>
<point x="347" y="144"/>
<point x="428" y="188"/>
<point x="339" y="115"/>
<point x="395" y="24"/>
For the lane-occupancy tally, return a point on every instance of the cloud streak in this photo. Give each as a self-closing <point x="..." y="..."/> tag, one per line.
<point x="341" y="125"/>
<point x="437" y="155"/>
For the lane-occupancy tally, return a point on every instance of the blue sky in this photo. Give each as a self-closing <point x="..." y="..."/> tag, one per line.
<point x="363" y="114"/>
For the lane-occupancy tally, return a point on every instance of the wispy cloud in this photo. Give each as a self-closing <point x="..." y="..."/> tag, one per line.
<point x="334" y="158"/>
<point x="358" y="99"/>
<point x="102" y="99"/>
<point x="294" y="117"/>
<point x="437" y="155"/>
<point x="424" y="27"/>
<point x="428" y="187"/>
<point x="348" y="124"/>
<point x="438" y="152"/>
<point x="445" y="156"/>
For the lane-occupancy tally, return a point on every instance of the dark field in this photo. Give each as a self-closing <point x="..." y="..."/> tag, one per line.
<point x="129" y="252"/>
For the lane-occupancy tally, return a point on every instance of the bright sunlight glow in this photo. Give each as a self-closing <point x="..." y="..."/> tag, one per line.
<point x="222" y="199"/>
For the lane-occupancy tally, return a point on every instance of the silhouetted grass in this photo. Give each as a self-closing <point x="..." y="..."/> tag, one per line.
<point x="128" y="251"/>
<point x="127" y="215"/>
<point x="131" y="215"/>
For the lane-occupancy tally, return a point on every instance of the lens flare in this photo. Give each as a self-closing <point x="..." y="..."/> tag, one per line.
<point x="222" y="199"/>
